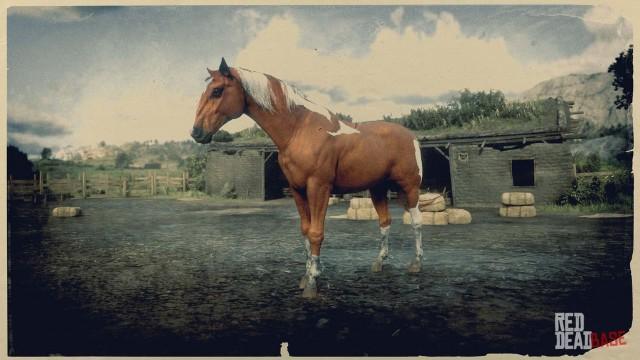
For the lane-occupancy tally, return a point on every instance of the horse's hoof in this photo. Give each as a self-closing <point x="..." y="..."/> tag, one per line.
<point x="376" y="266"/>
<point x="304" y="281"/>
<point x="415" y="266"/>
<point x="310" y="292"/>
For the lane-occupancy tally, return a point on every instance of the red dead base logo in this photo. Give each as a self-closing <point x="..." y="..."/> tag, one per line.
<point x="570" y="334"/>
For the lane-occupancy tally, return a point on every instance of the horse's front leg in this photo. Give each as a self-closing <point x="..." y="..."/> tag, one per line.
<point x="303" y="210"/>
<point x="318" y="193"/>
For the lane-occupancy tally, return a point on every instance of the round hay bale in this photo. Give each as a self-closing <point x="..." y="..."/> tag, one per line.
<point x="435" y="218"/>
<point x="351" y="213"/>
<point x="67" y="211"/>
<point x="517" y="198"/>
<point x="431" y="202"/>
<point x="458" y="216"/>
<point x="518" y="211"/>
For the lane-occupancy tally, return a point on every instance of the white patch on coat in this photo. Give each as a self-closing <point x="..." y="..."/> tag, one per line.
<point x="416" y="216"/>
<point x="343" y="130"/>
<point x="258" y="87"/>
<point x="416" y="146"/>
<point x="385" y="230"/>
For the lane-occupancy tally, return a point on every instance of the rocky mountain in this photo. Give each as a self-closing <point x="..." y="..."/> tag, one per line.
<point x="593" y="94"/>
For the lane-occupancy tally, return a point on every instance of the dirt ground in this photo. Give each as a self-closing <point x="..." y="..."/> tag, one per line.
<point x="167" y="277"/>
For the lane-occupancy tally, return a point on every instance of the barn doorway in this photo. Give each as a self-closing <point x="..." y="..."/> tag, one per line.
<point x="436" y="175"/>
<point x="275" y="182"/>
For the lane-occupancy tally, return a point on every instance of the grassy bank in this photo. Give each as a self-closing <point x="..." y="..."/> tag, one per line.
<point x="622" y="208"/>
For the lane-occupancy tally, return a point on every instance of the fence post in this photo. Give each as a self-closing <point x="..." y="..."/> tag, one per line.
<point x="124" y="187"/>
<point x="40" y="183"/>
<point x="184" y="182"/>
<point x="84" y="186"/>
<point x="153" y="183"/>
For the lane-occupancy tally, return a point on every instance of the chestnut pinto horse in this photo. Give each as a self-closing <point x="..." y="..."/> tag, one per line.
<point x="319" y="154"/>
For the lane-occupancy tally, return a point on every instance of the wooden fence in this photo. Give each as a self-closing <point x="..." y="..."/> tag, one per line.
<point x="97" y="185"/>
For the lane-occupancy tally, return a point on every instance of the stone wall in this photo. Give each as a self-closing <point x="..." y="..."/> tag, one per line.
<point x="479" y="177"/>
<point x="243" y="169"/>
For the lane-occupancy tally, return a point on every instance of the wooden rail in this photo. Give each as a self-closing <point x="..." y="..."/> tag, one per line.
<point x="98" y="185"/>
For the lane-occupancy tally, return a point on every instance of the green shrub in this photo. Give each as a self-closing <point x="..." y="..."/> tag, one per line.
<point x="611" y="189"/>
<point x="196" y="165"/>
<point x="222" y="136"/>
<point x="474" y="108"/>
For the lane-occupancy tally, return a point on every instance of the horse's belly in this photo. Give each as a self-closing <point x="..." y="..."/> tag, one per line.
<point x="357" y="178"/>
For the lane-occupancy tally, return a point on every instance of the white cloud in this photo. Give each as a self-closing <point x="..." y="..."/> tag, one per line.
<point x="410" y="62"/>
<point x="53" y="14"/>
<point x="396" y="16"/>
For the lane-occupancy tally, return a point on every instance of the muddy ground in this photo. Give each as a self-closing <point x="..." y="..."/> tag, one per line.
<point x="168" y="277"/>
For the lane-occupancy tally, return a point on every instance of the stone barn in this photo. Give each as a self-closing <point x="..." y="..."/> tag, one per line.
<point x="472" y="170"/>
<point x="251" y="171"/>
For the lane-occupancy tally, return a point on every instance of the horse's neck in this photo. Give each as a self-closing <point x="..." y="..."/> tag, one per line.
<point x="280" y="125"/>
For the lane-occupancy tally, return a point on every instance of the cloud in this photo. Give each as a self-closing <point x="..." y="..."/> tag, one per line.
<point x="29" y="144"/>
<point x="396" y="16"/>
<point x="22" y="120"/>
<point x="404" y="67"/>
<point x="60" y="14"/>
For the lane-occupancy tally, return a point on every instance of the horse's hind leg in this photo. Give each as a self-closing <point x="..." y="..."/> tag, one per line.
<point x="380" y="202"/>
<point x="416" y="222"/>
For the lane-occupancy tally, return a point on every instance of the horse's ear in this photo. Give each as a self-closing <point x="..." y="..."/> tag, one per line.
<point x="224" y="68"/>
<point x="210" y="72"/>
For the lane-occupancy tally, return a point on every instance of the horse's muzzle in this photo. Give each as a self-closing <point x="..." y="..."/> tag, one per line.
<point x="200" y="136"/>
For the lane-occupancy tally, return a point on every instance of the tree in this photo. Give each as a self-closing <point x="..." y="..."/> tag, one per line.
<point x="222" y="136"/>
<point x="18" y="166"/>
<point x="622" y="69"/>
<point x="46" y="153"/>
<point x="344" y="117"/>
<point x="122" y="160"/>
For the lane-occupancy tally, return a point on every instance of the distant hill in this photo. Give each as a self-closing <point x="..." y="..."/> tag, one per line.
<point x="170" y="154"/>
<point x="593" y="94"/>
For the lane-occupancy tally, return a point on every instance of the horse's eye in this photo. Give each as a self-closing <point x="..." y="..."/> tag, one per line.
<point x="217" y="92"/>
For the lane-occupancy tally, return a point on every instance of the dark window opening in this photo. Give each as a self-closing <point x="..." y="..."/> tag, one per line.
<point x="522" y="172"/>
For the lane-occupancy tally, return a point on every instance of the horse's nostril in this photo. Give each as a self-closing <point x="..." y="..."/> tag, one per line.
<point x="196" y="133"/>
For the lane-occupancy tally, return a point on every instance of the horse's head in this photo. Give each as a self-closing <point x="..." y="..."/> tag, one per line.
<point x="222" y="100"/>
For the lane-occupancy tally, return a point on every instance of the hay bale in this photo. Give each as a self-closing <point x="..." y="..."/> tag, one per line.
<point x="354" y="203"/>
<point x="366" y="214"/>
<point x="517" y="198"/>
<point x="458" y="216"/>
<point x="358" y="203"/>
<point x="518" y="211"/>
<point x="428" y="218"/>
<point x="406" y="218"/>
<point x="351" y="214"/>
<point x="67" y="211"/>
<point x="333" y="200"/>
<point x="435" y="218"/>
<point x="431" y="202"/>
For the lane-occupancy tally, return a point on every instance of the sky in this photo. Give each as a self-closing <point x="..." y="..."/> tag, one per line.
<point x="81" y="75"/>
